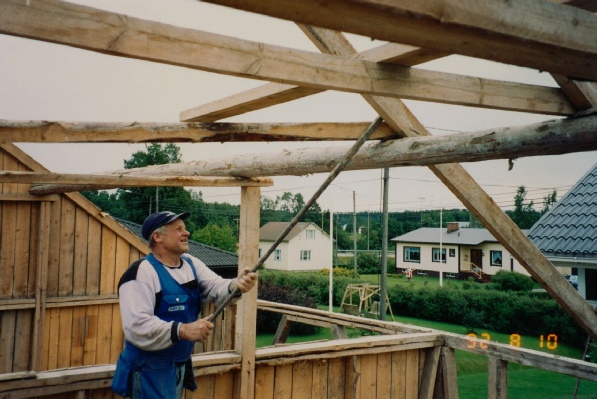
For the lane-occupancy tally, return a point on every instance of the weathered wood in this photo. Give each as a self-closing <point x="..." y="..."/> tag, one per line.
<point x="427" y="385"/>
<point x="283" y="330"/>
<point x="582" y="94"/>
<point x="81" y="132"/>
<point x="106" y="32"/>
<point x="309" y="316"/>
<point x="553" y="137"/>
<point x="450" y="380"/>
<point x="247" y="306"/>
<point x="497" y="378"/>
<point x="412" y="375"/>
<point x="264" y="382"/>
<point x="283" y="382"/>
<point x="302" y="380"/>
<point x="41" y="285"/>
<point x="481" y="29"/>
<point x="277" y="93"/>
<point x="527" y="357"/>
<point x="336" y="378"/>
<point x="347" y="347"/>
<point x="78" y="182"/>
<point x="384" y="375"/>
<point x="398" y="389"/>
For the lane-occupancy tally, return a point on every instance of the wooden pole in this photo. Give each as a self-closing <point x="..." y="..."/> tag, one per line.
<point x="247" y="306"/>
<point x="576" y="134"/>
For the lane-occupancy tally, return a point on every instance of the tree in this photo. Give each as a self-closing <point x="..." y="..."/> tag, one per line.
<point x="222" y="237"/>
<point x="524" y="214"/>
<point x="549" y="200"/>
<point x="144" y="201"/>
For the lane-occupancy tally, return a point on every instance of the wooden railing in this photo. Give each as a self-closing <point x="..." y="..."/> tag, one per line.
<point x="403" y="361"/>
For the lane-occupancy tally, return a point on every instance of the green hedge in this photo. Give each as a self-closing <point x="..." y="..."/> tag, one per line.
<point x="505" y="312"/>
<point x="315" y="285"/>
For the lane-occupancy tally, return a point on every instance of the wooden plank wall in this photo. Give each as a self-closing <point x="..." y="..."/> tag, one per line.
<point x="76" y="304"/>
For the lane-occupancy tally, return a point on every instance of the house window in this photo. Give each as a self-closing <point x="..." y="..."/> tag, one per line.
<point x="452" y="252"/>
<point x="435" y="255"/>
<point x="310" y="234"/>
<point x="305" y="255"/>
<point x="412" y="254"/>
<point x="259" y="253"/>
<point x="277" y="254"/>
<point x="496" y="258"/>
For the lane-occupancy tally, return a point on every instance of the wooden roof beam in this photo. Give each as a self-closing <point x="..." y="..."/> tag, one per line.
<point x="529" y="33"/>
<point x="278" y="93"/>
<point x="53" y="183"/>
<point x="84" y="132"/>
<point x="549" y="138"/>
<point x="115" y="34"/>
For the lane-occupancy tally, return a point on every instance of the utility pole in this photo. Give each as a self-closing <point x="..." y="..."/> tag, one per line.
<point x="354" y="233"/>
<point x="384" y="248"/>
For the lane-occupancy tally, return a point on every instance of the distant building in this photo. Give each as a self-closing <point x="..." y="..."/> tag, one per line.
<point x="305" y="248"/>
<point x="222" y="262"/>
<point x="567" y="234"/>
<point x="464" y="252"/>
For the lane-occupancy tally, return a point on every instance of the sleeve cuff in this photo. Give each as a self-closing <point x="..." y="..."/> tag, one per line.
<point x="175" y="332"/>
<point x="238" y="294"/>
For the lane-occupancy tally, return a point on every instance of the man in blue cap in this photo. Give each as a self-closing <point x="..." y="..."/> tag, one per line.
<point x="160" y="301"/>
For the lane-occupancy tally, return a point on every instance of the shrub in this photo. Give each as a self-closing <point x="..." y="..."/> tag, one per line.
<point x="368" y="264"/>
<point x="512" y="281"/>
<point x="267" y="322"/>
<point x="336" y="271"/>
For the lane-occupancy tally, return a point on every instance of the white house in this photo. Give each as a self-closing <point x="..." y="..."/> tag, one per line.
<point x="567" y="234"/>
<point x="464" y="252"/>
<point x="305" y="248"/>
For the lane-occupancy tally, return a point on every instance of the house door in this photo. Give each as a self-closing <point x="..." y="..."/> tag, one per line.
<point x="476" y="258"/>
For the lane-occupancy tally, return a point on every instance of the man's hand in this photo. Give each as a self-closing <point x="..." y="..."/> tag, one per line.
<point x="198" y="330"/>
<point x="245" y="281"/>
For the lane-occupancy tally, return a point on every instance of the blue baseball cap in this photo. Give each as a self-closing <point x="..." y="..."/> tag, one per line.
<point x="159" y="219"/>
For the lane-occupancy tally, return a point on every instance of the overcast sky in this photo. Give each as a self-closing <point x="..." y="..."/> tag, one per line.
<point x="42" y="81"/>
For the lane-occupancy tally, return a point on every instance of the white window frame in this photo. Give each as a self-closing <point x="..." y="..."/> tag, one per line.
<point x="310" y="233"/>
<point x="277" y="254"/>
<point x="405" y="252"/>
<point x="305" y="255"/>
<point x="435" y="255"/>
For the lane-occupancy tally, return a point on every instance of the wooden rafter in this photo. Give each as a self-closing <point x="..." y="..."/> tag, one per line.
<point x="80" y="182"/>
<point x="84" y="132"/>
<point x="277" y="93"/>
<point x="555" y="137"/>
<point x="115" y="34"/>
<point x="530" y="33"/>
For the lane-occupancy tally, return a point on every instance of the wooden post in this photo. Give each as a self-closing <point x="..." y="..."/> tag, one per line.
<point x="41" y="286"/>
<point x="247" y="306"/>
<point x="497" y="378"/>
<point x="430" y="368"/>
<point x="448" y="368"/>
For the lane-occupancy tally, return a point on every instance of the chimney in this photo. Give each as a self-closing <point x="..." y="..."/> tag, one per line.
<point x="452" y="227"/>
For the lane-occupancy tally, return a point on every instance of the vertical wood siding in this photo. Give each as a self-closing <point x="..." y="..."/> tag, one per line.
<point x="85" y="258"/>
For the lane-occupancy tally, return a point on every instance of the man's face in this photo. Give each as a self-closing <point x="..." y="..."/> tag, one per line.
<point x="175" y="239"/>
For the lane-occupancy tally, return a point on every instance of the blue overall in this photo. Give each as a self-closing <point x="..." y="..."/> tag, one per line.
<point x="153" y="374"/>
